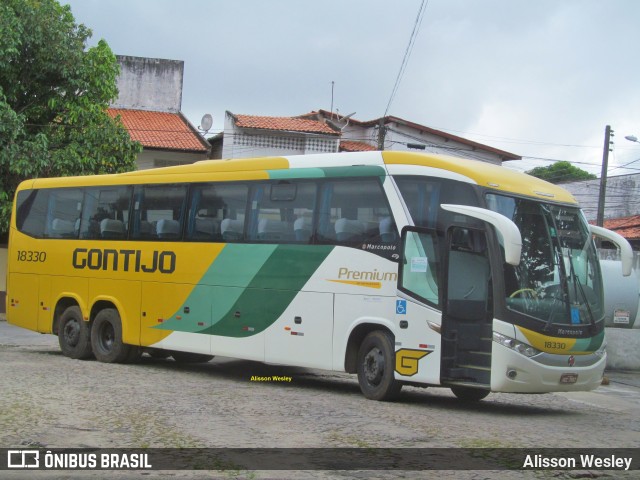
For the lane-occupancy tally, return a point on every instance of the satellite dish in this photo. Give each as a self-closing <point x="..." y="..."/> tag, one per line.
<point x="206" y="122"/>
<point x="339" y="125"/>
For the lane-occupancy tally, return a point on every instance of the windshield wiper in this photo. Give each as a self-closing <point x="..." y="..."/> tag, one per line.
<point x="561" y="269"/>
<point x="577" y="286"/>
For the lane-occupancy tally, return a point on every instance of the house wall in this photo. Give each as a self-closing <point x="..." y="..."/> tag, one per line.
<point x="623" y="349"/>
<point x="398" y="135"/>
<point x="149" y="84"/>
<point x="622" y="196"/>
<point x="247" y="143"/>
<point x="158" y="158"/>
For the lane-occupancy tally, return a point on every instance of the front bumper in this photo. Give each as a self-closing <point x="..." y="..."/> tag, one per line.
<point x="513" y="372"/>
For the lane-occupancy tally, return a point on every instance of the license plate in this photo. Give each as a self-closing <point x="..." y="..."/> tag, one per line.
<point x="568" y="378"/>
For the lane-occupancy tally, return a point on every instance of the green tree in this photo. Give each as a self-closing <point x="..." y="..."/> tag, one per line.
<point x="54" y="93"/>
<point x="561" y="172"/>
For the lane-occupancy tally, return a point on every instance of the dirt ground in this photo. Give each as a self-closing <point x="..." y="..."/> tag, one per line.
<point x="50" y="401"/>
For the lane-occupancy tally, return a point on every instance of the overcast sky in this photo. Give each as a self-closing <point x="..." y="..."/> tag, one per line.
<point x="539" y="78"/>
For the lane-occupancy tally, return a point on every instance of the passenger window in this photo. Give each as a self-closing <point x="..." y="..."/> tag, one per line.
<point x="106" y="213"/>
<point x="63" y="213"/>
<point x="283" y="212"/>
<point x="354" y="212"/>
<point x="217" y="212"/>
<point x="159" y="212"/>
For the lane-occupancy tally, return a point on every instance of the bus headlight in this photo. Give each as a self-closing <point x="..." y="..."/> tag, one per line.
<point x="513" y="344"/>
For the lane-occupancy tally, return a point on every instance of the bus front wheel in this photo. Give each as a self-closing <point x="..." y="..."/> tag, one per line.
<point x="469" y="394"/>
<point x="74" y="336"/>
<point x="106" y="338"/>
<point x="376" y="359"/>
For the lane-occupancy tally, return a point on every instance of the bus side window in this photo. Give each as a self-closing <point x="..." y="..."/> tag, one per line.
<point x="159" y="212"/>
<point x="282" y="212"/>
<point x="63" y="213"/>
<point x="217" y="212"/>
<point x="355" y="211"/>
<point x="106" y="213"/>
<point x="424" y="195"/>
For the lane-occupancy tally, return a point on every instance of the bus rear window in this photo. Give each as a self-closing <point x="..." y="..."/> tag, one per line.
<point x="49" y="213"/>
<point x="31" y="208"/>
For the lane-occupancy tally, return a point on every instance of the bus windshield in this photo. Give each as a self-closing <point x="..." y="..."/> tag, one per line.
<point x="558" y="279"/>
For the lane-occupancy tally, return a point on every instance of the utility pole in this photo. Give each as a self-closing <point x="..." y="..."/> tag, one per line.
<point x="332" y="85"/>
<point x="608" y="133"/>
<point x="381" y="134"/>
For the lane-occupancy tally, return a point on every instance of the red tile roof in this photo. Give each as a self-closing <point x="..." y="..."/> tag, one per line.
<point x="288" y="124"/>
<point x="160" y="130"/>
<point x="628" y="227"/>
<point x="353" y="146"/>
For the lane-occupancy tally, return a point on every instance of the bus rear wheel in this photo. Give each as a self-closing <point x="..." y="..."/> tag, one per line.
<point x="106" y="338"/>
<point x="376" y="359"/>
<point x="74" y="336"/>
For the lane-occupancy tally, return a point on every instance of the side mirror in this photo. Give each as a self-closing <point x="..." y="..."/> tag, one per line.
<point x="509" y="231"/>
<point x="626" y="252"/>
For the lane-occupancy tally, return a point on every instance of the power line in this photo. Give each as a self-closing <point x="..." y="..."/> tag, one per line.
<point x="407" y="53"/>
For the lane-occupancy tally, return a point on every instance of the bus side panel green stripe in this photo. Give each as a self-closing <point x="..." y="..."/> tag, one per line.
<point x="270" y="292"/>
<point x="289" y="173"/>
<point x="328" y="172"/>
<point x="236" y="265"/>
<point x="589" y="344"/>
<point x="354" y="171"/>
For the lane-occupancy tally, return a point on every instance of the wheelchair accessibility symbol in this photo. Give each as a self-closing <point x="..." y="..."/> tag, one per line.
<point x="401" y="307"/>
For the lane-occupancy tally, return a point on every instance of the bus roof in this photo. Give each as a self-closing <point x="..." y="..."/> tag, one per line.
<point x="486" y="175"/>
<point x="482" y="173"/>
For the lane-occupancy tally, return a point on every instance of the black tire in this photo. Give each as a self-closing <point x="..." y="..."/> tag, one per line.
<point x="135" y="355"/>
<point x="106" y="338"/>
<point x="469" y="394"/>
<point x="158" y="353"/>
<point x="74" y="334"/>
<point x="187" y="357"/>
<point x="376" y="364"/>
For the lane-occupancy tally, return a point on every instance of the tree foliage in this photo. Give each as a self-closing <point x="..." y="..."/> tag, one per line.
<point x="54" y="92"/>
<point x="561" y="172"/>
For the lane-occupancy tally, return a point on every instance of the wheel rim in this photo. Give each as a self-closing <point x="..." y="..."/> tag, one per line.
<point x="107" y="337"/>
<point x="374" y="366"/>
<point x="71" y="333"/>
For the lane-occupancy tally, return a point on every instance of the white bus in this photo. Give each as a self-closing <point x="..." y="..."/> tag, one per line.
<point x="403" y="268"/>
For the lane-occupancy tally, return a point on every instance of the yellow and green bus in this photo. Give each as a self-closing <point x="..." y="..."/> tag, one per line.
<point x="403" y="268"/>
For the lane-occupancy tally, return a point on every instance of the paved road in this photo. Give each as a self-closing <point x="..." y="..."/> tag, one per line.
<point x="51" y="401"/>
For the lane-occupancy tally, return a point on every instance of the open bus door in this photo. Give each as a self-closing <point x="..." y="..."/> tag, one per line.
<point x="467" y="315"/>
<point x="467" y="320"/>
<point x="466" y="297"/>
